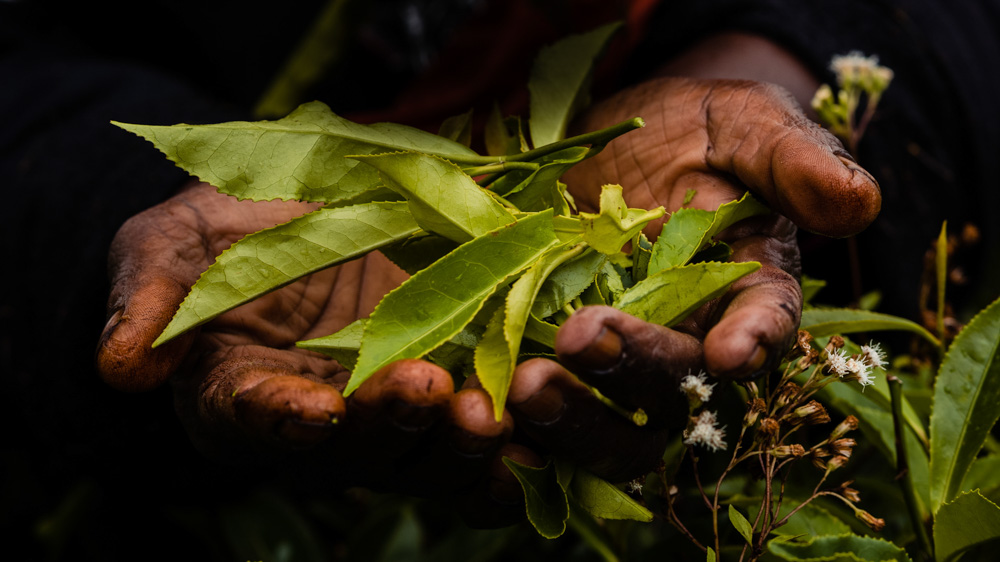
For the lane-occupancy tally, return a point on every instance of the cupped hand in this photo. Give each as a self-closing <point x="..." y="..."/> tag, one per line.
<point x="247" y="394"/>
<point x="719" y="138"/>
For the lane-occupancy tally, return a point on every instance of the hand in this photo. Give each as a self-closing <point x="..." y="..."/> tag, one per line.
<point x="247" y="395"/>
<point x="719" y="138"/>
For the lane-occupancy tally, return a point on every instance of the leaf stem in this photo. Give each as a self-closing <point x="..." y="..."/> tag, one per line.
<point x="599" y="137"/>
<point x="903" y="467"/>
<point x="500" y="167"/>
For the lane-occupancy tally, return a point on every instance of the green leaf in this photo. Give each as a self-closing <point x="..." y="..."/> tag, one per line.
<point x="443" y="199"/>
<point x="966" y="394"/>
<point x="616" y="224"/>
<point x="500" y="139"/>
<point x="809" y="520"/>
<point x="832" y="321"/>
<point x="965" y="522"/>
<point x="941" y="270"/>
<point x="741" y="524"/>
<point x="567" y="282"/>
<point x="839" y="548"/>
<point x="559" y="82"/>
<point x="300" y="156"/>
<point x="984" y="475"/>
<point x="271" y="258"/>
<point x="545" y="500"/>
<point x="542" y="189"/>
<point x="342" y="345"/>
<point x="602" y="499"/>
<point x="458" y="128"/>
<point x="710" y="555"/>
<point x="496" y="356"/>
<point x="541" y="331"/>
<point x="418" y="252"/>
<point x="810" y="287"/>
<point x="436" y="303"/>
<point x="690" y="230"/>
<point x="670" y="295"/>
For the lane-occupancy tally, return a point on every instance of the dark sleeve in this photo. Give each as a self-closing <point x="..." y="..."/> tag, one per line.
<point x="935" y="143"/>
<point x="69" y="179"/>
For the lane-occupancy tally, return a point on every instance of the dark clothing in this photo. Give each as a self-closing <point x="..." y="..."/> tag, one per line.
<point x="69" y="179"/>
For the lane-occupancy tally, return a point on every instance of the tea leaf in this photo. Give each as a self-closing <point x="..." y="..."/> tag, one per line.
<point x="458" y="128"/>
<point x="436" y="303"/>
<point x="560" y="80"/>
<point x="443" y="199"/>
<point x="544" y="498"/>
<point x="602" y="499"/>
<point x="300" y="156"/>
<point x="830" y="321"/>
<point x="963" y="523"/>
<point x="839" y="548"/>
<point x="616" y="224"/>
<point x="672" y="294"/>
<point x="567" y="282"/>
<point x="271" y="258"/>
<point x="496" y="356"/>
<point x="542" y="189"/>
<point x="966" y="393"/>
<point x="691" y="230"/>
<point x="741" y="524"/>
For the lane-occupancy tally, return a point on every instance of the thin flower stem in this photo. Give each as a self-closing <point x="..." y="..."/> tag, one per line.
<point x="674" y="520"/>
<point x="697" y="479"/>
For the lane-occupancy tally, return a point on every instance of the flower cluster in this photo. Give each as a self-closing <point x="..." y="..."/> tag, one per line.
<point x="704" y="432"/>
<point x="855" y="368"/>
<point x="856" y="75"/>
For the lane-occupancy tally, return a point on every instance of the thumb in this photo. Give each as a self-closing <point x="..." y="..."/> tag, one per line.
<point x="758" y="133"/>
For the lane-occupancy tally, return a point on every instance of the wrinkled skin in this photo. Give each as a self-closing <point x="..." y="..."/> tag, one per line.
<point x="245" y="392"/>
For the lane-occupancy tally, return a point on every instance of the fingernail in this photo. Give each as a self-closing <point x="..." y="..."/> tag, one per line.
<point x="754" y="367"/>
<point x="112" y="323"/>
<point x="409" y="417"/>
<point x="603" y="353"/>
<point x="543" y="407"/>
<point x="852" y="165"/>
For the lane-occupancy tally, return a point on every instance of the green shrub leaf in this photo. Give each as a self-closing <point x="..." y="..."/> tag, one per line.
<point x="560" y="80"/>
<point x="544" y="498"/>
<point x="741" y="524"/>
<point x="300" y="156"/>
<point x="272" y="258"/>
<point x="670" y="295"/>
<point x="966" y="394"/>
<point x="435" y="304"/>
<point x="830" y="321"/>
<point x="603" y="499"/>
<point x="443" y="199"/>
<point x="839" y="548"/>
<point x="967" y="521"/>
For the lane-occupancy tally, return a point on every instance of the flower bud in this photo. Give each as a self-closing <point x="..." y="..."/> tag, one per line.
<point x="786" y="394"/>
<point x="850" y="423"/>
<point x="835" y="463"/>
<point x="755" y="408"/>
<point x="768" y="429"/>
<point x="784" y="451"/>
<point x="812" y="413"/>
<point x="842" y="447"/>
<point x="875" y="523"/>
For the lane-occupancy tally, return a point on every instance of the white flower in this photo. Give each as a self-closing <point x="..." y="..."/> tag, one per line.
<point x="695" y="388"/>
<point x="859" y="371"/>
<point x="872" y="355"/>
<point x="836" y="360"/>
<point x="856" y="69"/>
<point x="705" y="433"/>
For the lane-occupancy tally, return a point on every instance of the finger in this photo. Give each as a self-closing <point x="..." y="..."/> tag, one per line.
<point x="758" y="318"/>
<point x="148" y="284"/>
<point x="256" y="400"/>
<point x="757" y="132"/>
<point x="565" y="417"/>
<point x="498" y="499"/>
<point x="455" y="457"/>
<point x="634" y="363"/>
